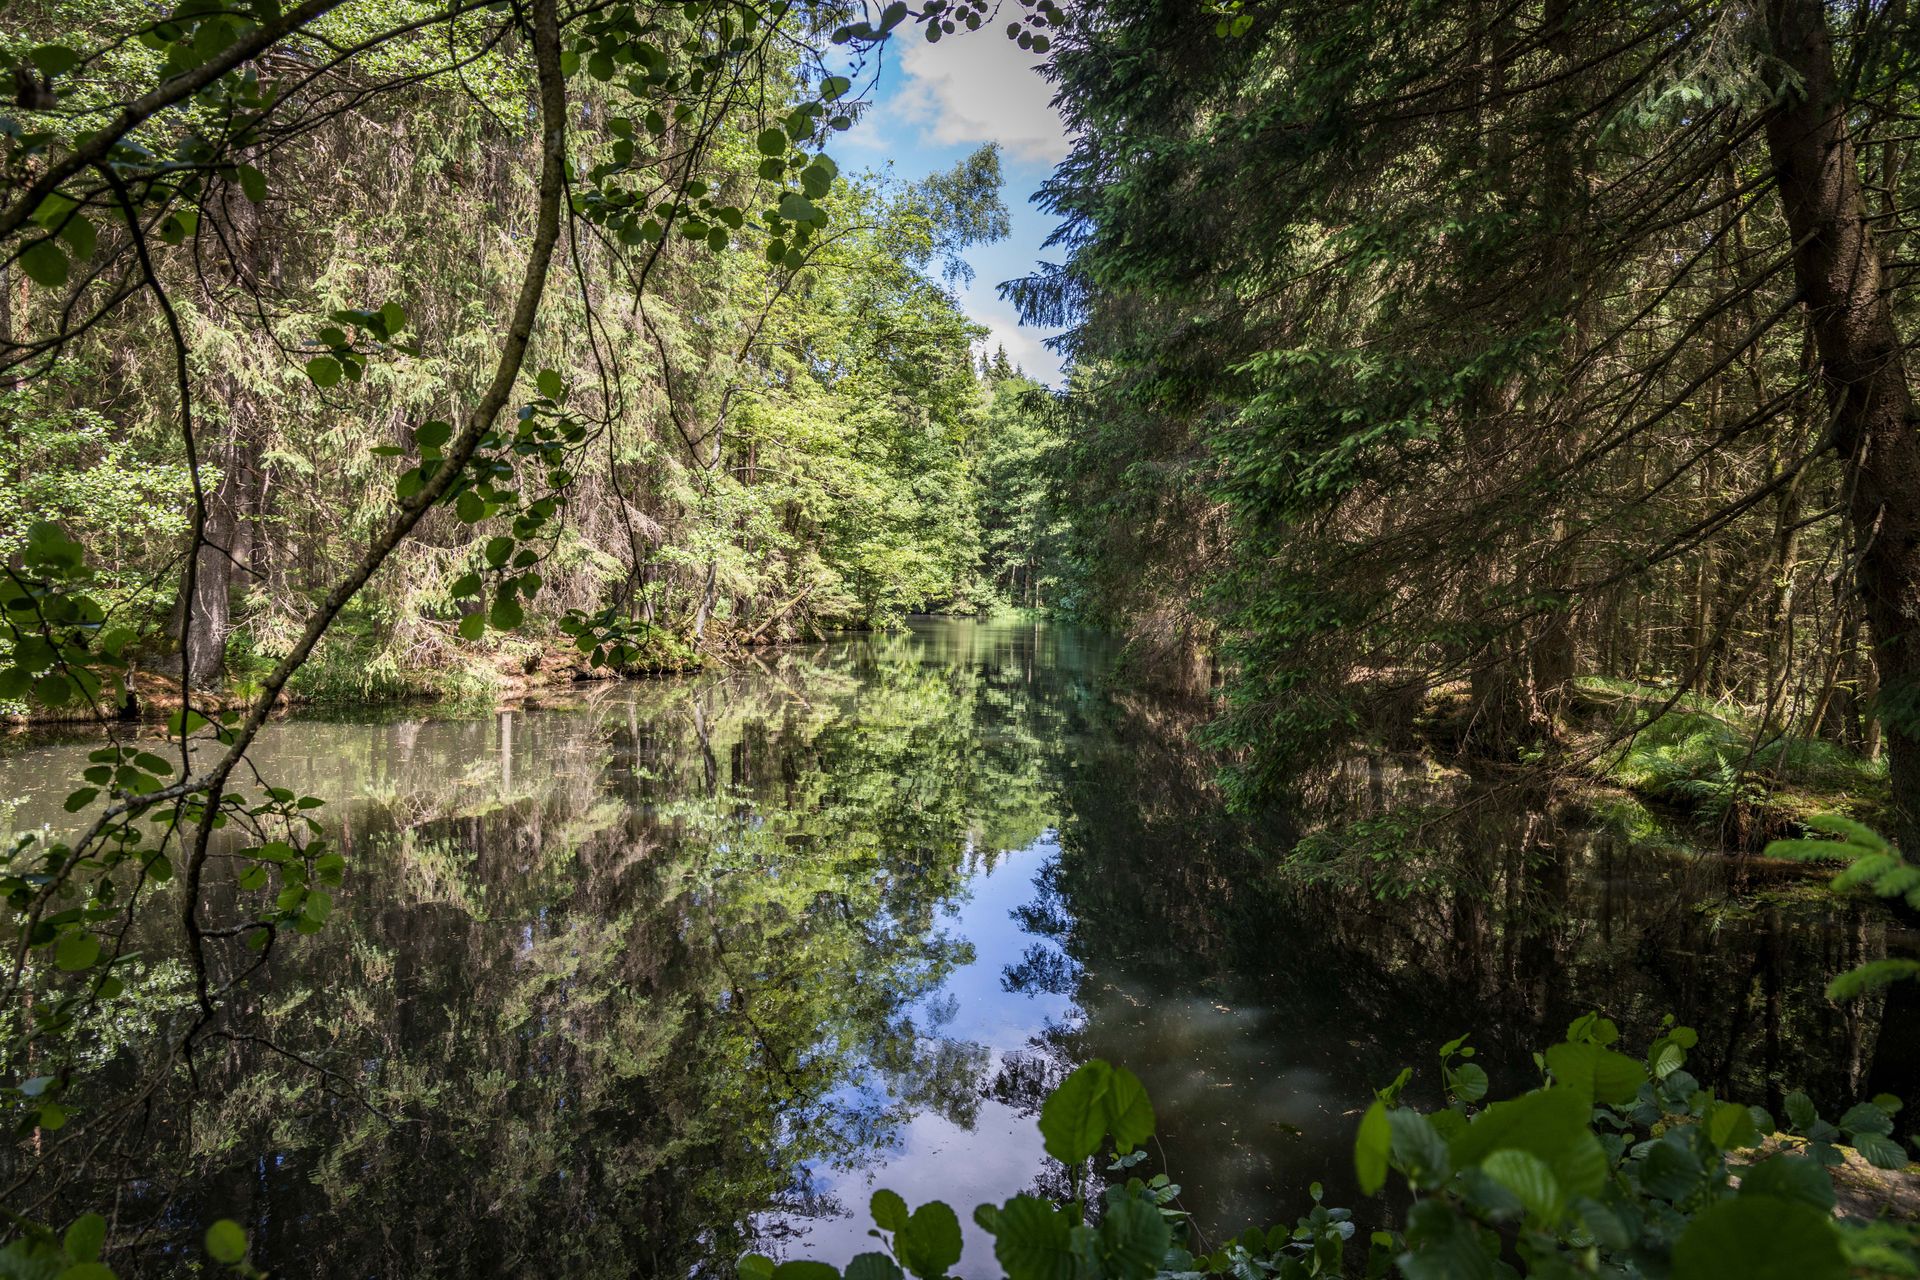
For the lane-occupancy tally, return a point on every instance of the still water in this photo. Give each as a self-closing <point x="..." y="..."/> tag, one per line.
<point x="632" y="984"/>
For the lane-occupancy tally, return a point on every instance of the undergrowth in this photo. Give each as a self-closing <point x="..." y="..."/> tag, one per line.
<point x="1712" y="758"/>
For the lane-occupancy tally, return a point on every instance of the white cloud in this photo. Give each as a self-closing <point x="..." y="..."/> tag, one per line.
<point x="1024" y="346"/>
<point x="979" y="86"/>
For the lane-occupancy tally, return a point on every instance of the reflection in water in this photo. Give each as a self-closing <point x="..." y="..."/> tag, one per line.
<point x="631" y="985"/>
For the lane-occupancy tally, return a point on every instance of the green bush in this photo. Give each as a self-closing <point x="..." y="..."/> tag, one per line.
<point x="1613" y="1166"/>
<point x="1700" y="755"/>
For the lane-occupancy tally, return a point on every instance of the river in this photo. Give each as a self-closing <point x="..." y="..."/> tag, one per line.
<point x="673" y="969"/>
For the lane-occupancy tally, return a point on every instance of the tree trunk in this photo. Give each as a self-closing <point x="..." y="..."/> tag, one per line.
<point x="1838" y="268"/>
<point x="204" y="623"/>
<point x="709" y="596"/>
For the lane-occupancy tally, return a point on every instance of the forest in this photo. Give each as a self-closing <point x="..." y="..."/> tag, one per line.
<point x="571" y="708"/>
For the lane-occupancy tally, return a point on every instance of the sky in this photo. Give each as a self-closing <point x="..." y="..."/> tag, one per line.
<point x="932" y="106"/>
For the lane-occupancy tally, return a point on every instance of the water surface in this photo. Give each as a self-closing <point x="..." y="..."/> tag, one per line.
<point x="682" y="968"/>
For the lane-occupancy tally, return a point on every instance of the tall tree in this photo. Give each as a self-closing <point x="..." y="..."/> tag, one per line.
<point x="1490" y="334"/>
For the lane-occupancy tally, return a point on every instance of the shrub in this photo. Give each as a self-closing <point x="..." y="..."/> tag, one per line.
<point x="1613" y="1166"/>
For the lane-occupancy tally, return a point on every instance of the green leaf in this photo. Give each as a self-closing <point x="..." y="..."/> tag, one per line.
<point x="1864" y="1117"/>
<point x="76" y="950"/>
<point x="929" y="1243"/>
<point x="1759" y="1238"/>
<point x="53" y="689"/>
<point x="45" y="264"/>
<point x="1371" y="1147"/>
<point x="798" y="208"/>
<point x="755" y="1266"/>
<point x="470" y="507"/>
<point x="1074" y="1119"/>
<point x="53" y="59"/>
<point x="772" y="142"/>
<point x="1129" y="1112"/>
<point x="1530" y="1180"/>
<point x="1603" y="1224"/>
<point x="507" y="612"/>
<point x="816" y="180"/>
<point x="1671" y="1171"/>
<point x="805" y="1269"/>
<point x="81" y="799"/>
<point x="88" y="1271"/>
<point x="80" y="237"/>
<point x="1881" y="1152"/>
<point x="889" y="1210"/>
<point x="1800" y="1111"/>
<point x="1443" y="1246"/>
<point x="871" y="1266"/>
<point x="1549" y="1123"/>
<point x="1033" y="1240"/>
<point x="1132" y="1237"/>
<point x="1097" y="1099"/>
<point x="184" y="722"/>
<point x="1418" y="1147"/>
<point x="1790" y="1178"/>
<point x="1730" y="1126"/>
<point x="550" y="383"/>
<point x="226" y="1242"/>
<point x="324" y="371"/>
<point x="86" y="1237"/>
<point x="394" y="316"/>
<point x="1605" y="1076"/>
<point x="253" y="183"/>
<point x="1468" y="1082"/>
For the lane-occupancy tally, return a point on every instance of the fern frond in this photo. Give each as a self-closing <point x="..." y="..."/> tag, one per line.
<point x="1867" y="869"/>
<point x="1871" y="977"/>
<point x="1812" y="850"/>
<point x="1852" y="832"/>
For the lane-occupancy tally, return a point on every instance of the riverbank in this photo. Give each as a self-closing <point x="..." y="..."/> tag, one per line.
<point x="349" y="675"/>
<point x="354" y="668"/>
<point x="621" y="902"/>
<point x="1713" y="765"/>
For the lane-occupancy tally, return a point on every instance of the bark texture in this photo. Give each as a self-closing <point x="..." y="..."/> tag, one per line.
<point x="1843" y="282"/>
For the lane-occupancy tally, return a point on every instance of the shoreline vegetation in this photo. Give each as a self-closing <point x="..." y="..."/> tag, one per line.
<point x="500" y="672"/>
<point x="1433" y="375"/>
<point x="1708" y="767"/>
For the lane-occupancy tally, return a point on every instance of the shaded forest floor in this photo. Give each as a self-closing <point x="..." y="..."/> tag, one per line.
<point x="1715" y="764"/>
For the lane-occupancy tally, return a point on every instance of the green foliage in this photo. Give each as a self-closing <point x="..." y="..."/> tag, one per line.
<point x="1097" y="1102"/>
<point x="1399" y="377"/>
<point x="76" y="1254"/>
<point x="1711" y="758"/>
<point x="271" y="435"/>
<point x="1022" y="526"/>
<point x="1613" y="1166"/>
<point x="1872" y="864"/>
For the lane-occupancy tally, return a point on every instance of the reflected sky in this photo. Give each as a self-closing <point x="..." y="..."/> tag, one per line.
<point x="664" y="971"/>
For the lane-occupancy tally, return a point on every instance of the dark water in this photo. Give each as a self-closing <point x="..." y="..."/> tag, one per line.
<point x="692" y="967"/>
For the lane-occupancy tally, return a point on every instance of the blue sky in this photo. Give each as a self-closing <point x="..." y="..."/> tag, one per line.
<point x="935" y="103"/>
